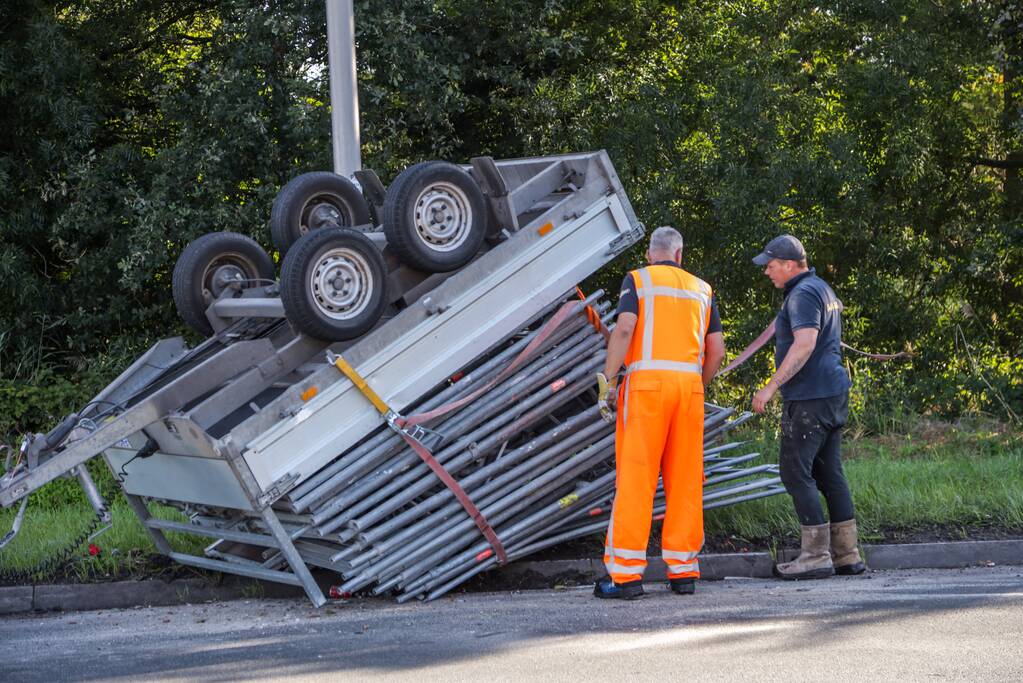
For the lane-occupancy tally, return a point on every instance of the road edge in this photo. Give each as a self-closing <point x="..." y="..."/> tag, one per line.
<point x="520" y="575"/>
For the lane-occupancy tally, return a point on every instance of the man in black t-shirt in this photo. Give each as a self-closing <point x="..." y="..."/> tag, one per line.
<point x="815" y="403"/>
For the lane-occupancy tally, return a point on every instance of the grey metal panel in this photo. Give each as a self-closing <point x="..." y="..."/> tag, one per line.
<point x="241" y="570"/>
<point x="150" y="364"/>
<point x="417" y="351"/>
<point x="248" y="385"/>
<point x="213" y="532"/>
<point x="180" y="477"/>
<point x="194" y="383"/>
<point x="178" y="435"/>
<point x="248" y="308"/>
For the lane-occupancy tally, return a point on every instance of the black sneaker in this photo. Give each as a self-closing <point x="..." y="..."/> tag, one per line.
<point x="606" y="588"/>
<point x="683" y="586"/>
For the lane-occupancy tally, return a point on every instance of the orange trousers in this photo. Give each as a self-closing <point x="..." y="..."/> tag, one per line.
<point x="659" y="432"/>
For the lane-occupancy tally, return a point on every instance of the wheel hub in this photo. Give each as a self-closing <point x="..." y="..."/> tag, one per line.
<point x="443" y="216"/>
<point x="224" y="277"/>
<point x="324" y="211"/>
<point x="341" y="283"/>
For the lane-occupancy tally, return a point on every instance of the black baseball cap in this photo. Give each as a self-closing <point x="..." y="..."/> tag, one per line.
<point x="784" y="247"/>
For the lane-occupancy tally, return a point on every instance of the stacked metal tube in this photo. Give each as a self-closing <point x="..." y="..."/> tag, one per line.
<point x="531" y="452"/>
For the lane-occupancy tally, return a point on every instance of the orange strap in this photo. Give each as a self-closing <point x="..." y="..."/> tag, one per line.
<point x="593" y="316"/>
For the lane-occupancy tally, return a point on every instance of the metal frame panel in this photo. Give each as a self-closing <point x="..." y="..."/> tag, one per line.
<point x="183" y="478"/>
<point x="526" y="273"/>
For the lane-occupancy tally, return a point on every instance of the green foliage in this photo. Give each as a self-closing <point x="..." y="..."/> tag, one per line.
<point x="885" y="135"/>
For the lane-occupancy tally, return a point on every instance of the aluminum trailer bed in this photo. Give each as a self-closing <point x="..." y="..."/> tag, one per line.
<point x="238" y="421"/>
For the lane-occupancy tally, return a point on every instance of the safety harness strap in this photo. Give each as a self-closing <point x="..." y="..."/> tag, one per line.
<point x="394" y="422"/>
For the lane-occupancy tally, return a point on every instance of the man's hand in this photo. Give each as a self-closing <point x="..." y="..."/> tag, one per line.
<point x="607" y="395"/>
<point x="763" y="397"/>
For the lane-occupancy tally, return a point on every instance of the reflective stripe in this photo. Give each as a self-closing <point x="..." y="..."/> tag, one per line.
<point x="649" y="292"/>
<point x="625" y="553"/>
<point x="674" y="568"/>
<point x="677" y="366"/>
<point x="678" y="555"/>
<point x="703" y="330"/>
<point x="674" y="292"/>
<point x="625" y="400"/>
<point x="648" y="313"/>
<point x="611" y="522"/>
<point x="615" y="568"/>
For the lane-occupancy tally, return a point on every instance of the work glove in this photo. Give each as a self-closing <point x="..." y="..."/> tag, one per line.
<point x="607" y="394"/>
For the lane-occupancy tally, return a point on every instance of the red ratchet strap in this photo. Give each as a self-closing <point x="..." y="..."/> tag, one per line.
<point x="754" y="346"/>
<point x="423" y="452"/>
<point x="477" y="517"/>
<point x="400" y="424"/>
<point x="545" y="332"/>
<point x="766" y="335"/>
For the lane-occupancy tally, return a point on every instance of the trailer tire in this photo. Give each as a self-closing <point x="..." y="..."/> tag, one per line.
<point x="333" y="284"/>
<point x="435" y="217"/>
<point x="315" y="200"/>
<point x="210" y="264"/>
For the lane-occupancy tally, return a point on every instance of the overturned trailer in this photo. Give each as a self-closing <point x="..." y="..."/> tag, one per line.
<point x="404" y="405"/>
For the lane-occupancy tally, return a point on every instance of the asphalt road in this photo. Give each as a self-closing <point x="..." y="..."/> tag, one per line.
<point x="904" y="625"/>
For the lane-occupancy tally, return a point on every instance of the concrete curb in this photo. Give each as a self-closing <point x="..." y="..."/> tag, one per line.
<point x="545" y="574"/>
<point x="951" y="555"/>
<point x="554" y="572"/>
<point x="122" y="594"/>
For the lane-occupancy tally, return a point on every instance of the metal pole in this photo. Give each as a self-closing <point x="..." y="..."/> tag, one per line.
<point x="344" y="94"/>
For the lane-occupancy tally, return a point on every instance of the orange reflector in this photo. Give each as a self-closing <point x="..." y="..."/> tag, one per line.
<point x="545" y="228"/>
<point x="484" y="555"/>
<point x="309" y="393"/>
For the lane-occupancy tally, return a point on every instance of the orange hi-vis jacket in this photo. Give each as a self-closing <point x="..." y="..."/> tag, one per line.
<point x="660" y="426"/>
<point x="674" y="312"/>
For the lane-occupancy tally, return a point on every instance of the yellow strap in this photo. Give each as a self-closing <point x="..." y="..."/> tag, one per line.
<point x="367" y="391"/>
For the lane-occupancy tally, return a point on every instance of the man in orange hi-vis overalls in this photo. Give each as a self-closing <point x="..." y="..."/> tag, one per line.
<point x="668" y="337"/>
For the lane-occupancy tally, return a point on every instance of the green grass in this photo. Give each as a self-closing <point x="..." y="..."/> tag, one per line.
<point x="954" y="476"/>
<point x="962" y="476"/>
<point x="124" y="548"/>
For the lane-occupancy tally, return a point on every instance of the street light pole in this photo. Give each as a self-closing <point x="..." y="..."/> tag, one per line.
<point x="344" y="93"/>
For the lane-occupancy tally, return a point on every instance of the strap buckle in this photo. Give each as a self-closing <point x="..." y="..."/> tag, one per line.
<point x="430" y="438"/>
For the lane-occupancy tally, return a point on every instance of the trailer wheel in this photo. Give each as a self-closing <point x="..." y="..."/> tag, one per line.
<point x="435" y="217"/>
<point x="312" y="201"/>
<point x="211" y="265"/>
<point x="332" y="284"/>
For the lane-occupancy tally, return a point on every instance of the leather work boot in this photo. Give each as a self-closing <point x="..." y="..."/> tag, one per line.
<point x="845" y="556"/>
<point x="814" y="561"/>
<point x="682" y="586"/>
<point x="606" y="588"/>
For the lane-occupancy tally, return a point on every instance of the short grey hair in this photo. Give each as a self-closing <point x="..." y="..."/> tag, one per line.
<point x="665" y="240"/>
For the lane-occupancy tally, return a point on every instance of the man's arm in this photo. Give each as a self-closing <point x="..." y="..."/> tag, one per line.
<point x="618" y="344"/>
<point x="713" y="355"/>
<point x="800" y="351"/>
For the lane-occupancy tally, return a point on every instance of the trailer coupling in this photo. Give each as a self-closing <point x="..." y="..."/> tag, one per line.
<point x="36" y="448"/>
